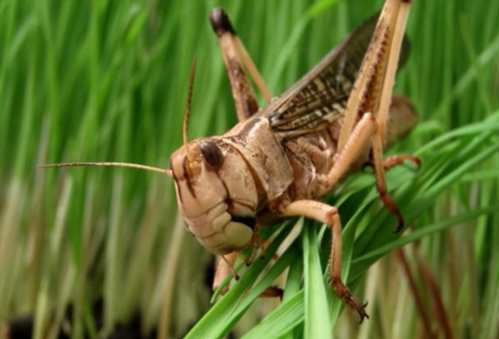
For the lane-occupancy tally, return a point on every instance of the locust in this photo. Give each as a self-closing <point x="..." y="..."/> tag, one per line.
<point x="279" y="160"/>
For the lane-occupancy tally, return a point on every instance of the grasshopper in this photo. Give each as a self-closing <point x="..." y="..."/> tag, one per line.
<point x="279" y="160"/>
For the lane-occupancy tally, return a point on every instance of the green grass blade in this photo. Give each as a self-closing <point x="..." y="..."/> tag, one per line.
<point x="317" y="316"/>
<point x="220" y="318"/>
<point x="280" y="321"/>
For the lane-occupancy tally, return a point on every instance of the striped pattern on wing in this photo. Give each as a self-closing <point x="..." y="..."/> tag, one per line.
<point x="320" y="97"/>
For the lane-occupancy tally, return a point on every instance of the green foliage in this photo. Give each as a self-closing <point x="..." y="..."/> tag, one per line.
<point x="106" y="80"/>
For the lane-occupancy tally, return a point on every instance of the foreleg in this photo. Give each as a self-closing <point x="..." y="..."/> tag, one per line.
<point x="328" y="215"/>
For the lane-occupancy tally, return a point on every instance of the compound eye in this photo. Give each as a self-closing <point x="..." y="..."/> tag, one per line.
<point x="212" y="154"/>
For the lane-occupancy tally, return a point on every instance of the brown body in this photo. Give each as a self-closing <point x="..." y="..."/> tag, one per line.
<point x="279" y="160"/>
<point x="261" y="173"/>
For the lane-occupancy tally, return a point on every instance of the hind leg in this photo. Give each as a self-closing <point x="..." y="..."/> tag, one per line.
<point x="372" y="91"/>
<point x="237" y="62"/>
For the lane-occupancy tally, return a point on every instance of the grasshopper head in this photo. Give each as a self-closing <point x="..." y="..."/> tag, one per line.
<point x="216" y="193"/>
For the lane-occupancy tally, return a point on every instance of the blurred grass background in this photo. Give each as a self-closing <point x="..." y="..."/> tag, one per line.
<point x="106" y="80"/>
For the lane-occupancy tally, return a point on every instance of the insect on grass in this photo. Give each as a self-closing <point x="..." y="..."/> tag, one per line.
<point x="279" y="160"/>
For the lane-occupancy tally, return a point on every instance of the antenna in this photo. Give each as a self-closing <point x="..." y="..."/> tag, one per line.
<point x="188" y="101"/>
<point x="166" y="171"/>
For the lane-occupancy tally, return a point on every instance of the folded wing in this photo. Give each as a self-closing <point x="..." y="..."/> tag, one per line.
<point x="320" y="97"/>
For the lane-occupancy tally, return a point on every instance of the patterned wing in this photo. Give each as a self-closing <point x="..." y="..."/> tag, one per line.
<point x="320" y="97"/>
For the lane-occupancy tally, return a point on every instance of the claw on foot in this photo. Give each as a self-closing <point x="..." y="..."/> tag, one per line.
<point x="400" y="224"/>
<point x="344" y="293"/>
<point x="362" y="312"/>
